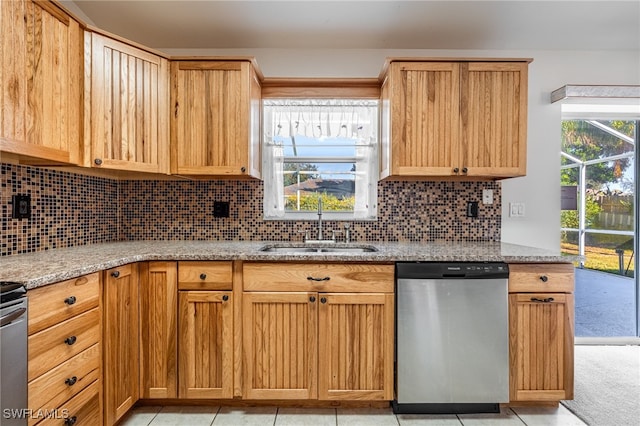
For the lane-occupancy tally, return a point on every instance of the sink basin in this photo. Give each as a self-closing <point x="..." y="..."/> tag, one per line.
<point x="298" y="249"/>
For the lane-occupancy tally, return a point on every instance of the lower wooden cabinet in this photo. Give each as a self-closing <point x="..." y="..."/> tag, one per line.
<point x="121" y="363"/>
<point x="206" y="344"/>
<point x="158" y="329"/>
<point x="541" y="332"/>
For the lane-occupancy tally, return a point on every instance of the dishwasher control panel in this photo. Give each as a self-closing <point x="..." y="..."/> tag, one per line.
<point x="467" y="270"/>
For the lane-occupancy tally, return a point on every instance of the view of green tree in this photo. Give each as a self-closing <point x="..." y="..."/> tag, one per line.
<point x="292" y="178"/>
<point x="309" y="202"/>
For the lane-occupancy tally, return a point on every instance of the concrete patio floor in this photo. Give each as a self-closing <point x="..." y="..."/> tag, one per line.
<point x="605" y="304"/>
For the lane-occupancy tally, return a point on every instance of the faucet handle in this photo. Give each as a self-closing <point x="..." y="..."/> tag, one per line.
<point x="306" y="235"/>
<point x="347" y="233"/>
<point x="333" y="234"/>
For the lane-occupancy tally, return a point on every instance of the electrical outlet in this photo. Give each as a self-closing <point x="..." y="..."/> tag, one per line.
<point x="487" y="196"/>
<point x="220" y="209"/>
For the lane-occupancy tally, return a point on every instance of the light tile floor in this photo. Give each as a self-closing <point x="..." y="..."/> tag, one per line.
<point x="284" y="416"/>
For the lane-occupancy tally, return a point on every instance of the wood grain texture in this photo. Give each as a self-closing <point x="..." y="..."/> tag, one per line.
<point x="41" y="113"/>
<point x="206" y="344"/>
<point x="84" y="407"/>
<point x="202" y="275"/>
<point x="541" y="277"/>
<point x="213" y="118"/>
<point x="280" y="345"/>
<point x="356" y="343"/>
<point x="342" y="277"/>
<point x="51" y="389"/>
<point x="48" y="348"/>
<point x="158" y="329"/>
<point x="129" y="107"/>
<point x="238" y="368"/>
<point x="121" y="350"/>
<point x="541" y="346"/>
<point x="47" y="304"/>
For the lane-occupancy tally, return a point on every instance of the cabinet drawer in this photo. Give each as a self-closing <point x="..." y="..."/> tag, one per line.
<point x="65" y="381"/>
<point x="335" y="277"/>
<point x="57" y="344"/>
<point x="58" y="302"/>
<point x="81" y="410"/>
<point x="205" y="276"/>
<point x="542" y="277"/>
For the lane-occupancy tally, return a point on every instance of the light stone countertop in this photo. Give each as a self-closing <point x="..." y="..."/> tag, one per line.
<point x="47" y="267"/>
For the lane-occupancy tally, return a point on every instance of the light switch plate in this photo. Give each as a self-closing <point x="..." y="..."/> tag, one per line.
<point x="487" y="196"/>
<point x="516" y="209"/>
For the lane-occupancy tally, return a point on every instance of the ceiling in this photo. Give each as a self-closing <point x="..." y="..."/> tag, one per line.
<point x="477" y="25"/>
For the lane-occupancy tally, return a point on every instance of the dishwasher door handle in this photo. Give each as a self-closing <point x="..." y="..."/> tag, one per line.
<point x="7" y="319"/>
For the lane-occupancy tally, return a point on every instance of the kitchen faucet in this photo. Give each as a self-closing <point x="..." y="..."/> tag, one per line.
<point x="320" y="237"/>
<point x="320" y="218"/>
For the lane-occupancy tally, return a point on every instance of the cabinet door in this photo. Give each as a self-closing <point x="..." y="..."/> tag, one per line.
<point x="120" y="341"/>
<point x="129" y="92"/>
<point x="424" y="118"/>
<point x="494" y="118"/>
<point x="356" y="338"/>
<point x="280" y="345"/>
<point x="206" y="344"/>
<point x="541" y="346"/>
<point x="215" y="108"/>
<point x="158" y="328"/>
<point x="42" y="82"/>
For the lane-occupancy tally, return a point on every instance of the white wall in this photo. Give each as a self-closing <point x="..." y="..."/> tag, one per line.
<point x="540" y="189"/>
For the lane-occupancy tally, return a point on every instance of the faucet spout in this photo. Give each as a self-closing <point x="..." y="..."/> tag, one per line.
<point x="320" y="218"/>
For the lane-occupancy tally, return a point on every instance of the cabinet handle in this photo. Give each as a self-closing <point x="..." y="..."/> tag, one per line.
<point x="225" y="297"/>
<point x="203" y="276"/>
<point x="71" y="381"/>
<point x="312" y="299"/>
<point x="547" y="300"/>
<point x="465" y="170"/>
<point x="176" y="110"/>
<point x="318" y="279"/>
<point x="115" y="274"/>
<point x="323" y="300"/>
<point x="70" y="300"/>
<point x="98" y="161"/>
<point x="456" y="170"/>
<point x="70" y="340"/>
<point x="544" y="278"/>
<point x="70" y="421"/>
<point x="243" y="169"/>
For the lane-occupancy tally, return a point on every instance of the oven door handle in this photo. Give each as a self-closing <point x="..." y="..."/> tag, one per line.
<point x="12" y="316"/>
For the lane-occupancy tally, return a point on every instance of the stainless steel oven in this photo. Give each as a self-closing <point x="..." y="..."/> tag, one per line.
<point x="13" y="355"/>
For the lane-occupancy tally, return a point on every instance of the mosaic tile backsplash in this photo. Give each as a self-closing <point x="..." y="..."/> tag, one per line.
<point x="70" y="209"/>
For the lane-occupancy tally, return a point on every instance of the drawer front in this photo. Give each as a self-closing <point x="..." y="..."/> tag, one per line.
<point x="65" y="381"/>
<point x="205" y="276"/>
<point x="334" y="277"/>
<point x="59" y="343"/>
<point x="541" y="277"/>
<point x="81" y="410"/>
<point x="55" y="303"/>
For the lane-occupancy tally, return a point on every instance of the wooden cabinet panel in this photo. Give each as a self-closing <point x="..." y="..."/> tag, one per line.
<point x="53" y="304"/>
<point x="201" y="275"/>
<point x="454" y="118"/>
<point x="215" y="119"/>
<point x="334" y="277"/>
<point x="129" y="92"/>
<point x="41" y="113"/>
<point x="494" y="112"/>
<point x="60" y="342"/>
<point x="158" y="328"/>
<point x="66" y="380"/>
<point x="356" y="340"/>
<point x="541" y="346"/>
<point x="541" y="277"/>
<point x="121" y="363"/>
<point x="206" y="344"/>
<point x="280" y="345"/>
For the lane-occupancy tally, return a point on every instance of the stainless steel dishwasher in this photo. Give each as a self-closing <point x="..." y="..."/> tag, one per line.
<point x="452" y="337"/>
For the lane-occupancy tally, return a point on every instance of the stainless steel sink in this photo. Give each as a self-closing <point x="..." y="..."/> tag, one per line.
<point x="298" y="249"/>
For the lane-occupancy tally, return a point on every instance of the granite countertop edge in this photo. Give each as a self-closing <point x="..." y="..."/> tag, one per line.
<point x="51" y="266"/>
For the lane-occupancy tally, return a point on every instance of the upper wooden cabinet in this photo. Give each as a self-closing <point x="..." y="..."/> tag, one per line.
<point x="126" y="126"/>
<point x="215" y="118"/>
<point x="454" y="118"/>
<point x="41" y="75"/>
